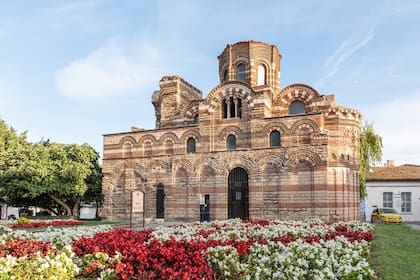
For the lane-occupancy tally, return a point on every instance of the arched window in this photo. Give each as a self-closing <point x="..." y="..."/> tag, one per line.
<point x="127" y="149"/>
<point x="305" y="135"/>
<point x="225" y="75"/>
<point x="147" y="149"/>
<point x="231" y="142"/>
<point x="240" y="73"/>
<point x="196" y="119"/>
<point x="297" y="108"/>
<point x="191" y="145"/>
<point x="160" y="201"/>
<point x="231" y="108"/>
<point x="275" y="140"/>
<point x="169" y="147"/>
<point x="224" y="109"/>
<point x="261" y="77"/>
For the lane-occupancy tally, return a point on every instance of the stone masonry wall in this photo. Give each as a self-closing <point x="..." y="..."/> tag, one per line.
<point x="313" y="173"/>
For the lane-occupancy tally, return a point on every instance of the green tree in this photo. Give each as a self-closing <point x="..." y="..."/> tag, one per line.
<point x="69" y="167"/>
<point x="45" y="174"/>
<point x="19" y="167"/>
<point x="370" y="153"/>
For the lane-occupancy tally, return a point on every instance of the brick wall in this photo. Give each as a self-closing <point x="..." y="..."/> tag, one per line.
<point x="312" y="174"/>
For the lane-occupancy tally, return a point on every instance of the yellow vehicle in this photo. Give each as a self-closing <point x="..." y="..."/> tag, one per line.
<point x="385" y="215"/>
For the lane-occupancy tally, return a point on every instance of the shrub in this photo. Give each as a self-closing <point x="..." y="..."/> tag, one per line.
<point x="23" y="220"/>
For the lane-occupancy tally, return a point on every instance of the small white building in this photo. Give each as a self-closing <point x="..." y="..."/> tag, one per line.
<point x="397" y="187"/>
<point x="87" y="211"/>
<point x="8" y="211"/>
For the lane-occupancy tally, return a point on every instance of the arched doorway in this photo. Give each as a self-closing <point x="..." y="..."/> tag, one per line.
<point x="160" y="201"/>
<point x="238" y="195"/>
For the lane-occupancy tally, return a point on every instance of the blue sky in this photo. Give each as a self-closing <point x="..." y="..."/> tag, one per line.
<point x="71" y="71"/>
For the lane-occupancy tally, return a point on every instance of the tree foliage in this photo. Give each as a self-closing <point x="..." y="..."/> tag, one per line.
<point x="45" y="174"/>
<point x="370" y="153"/>
<point x="17" y="166"/>
<point x="94" y="190"/>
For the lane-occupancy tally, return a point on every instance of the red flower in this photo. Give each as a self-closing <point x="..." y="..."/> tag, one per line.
<point x="146" y="258"/>
<point x="24" y="247"/>
<point x="54" y="223"/>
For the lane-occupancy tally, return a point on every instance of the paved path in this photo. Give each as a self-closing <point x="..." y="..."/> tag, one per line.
<point x="416" y="226"/>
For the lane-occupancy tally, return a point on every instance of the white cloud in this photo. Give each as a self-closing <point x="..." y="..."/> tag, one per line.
<point x="111" y="70"/>
<point x="342" y="53"/>
<point x="397" y="121"/>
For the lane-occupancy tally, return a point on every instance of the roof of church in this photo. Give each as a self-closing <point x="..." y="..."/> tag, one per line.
<point x="405" y="172"/>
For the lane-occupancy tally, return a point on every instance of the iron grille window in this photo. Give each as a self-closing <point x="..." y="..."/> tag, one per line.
<point x="387" y="199"/>
<point x="406" y="202"/>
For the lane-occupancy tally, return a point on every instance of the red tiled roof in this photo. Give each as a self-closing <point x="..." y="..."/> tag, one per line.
<point x="408" y="172"/>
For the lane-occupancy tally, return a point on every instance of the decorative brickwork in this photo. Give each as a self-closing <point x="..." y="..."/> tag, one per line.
<point x="311" y="171"/>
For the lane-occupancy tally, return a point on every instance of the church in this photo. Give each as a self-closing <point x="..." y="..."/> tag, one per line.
<point x="249" y="149"/>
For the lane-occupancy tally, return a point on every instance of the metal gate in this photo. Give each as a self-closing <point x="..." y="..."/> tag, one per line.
<point x="238" y="195"/>
<point x="160" y="201"/>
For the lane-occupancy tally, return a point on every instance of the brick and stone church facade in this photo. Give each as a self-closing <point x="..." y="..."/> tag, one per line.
<point x="250" y="148"/>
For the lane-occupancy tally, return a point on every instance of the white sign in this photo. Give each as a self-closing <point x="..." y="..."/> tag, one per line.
<point x="137" y="201"/>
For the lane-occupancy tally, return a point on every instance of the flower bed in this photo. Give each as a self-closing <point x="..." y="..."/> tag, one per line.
<point x="231" y="249"/>
<point x="57" y="237"/>
<point x="52" y="223"/>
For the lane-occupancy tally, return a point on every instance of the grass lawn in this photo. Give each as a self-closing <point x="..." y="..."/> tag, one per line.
<point x="95" y="223"/>
<point x="396" y="252"/>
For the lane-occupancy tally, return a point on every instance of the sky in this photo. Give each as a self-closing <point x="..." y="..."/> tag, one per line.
<point x="71" y="71"/>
